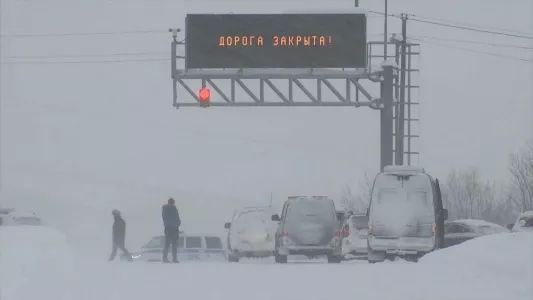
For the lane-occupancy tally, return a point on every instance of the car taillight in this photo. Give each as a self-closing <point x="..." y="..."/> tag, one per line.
<point x="345" y="231"/>
<point x="337" y="233"/>
<point x="433" y="228"/>
<point x="285" y="233"/>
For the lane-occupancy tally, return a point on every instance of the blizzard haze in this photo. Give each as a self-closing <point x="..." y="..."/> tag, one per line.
<point x="79" y="139"/>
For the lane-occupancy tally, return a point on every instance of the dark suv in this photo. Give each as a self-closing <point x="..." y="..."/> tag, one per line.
<point x="308" y="226"/>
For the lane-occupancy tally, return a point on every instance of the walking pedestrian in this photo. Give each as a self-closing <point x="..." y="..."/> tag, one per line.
<point x="172" y="222"/>
<point x="119" y="236"/>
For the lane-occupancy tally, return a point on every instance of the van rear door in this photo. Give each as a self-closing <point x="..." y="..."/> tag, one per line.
<point x="404" y="206"/>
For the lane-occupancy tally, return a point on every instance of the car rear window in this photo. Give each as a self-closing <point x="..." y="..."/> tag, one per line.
<point x="193" y="242"/>
<point x="212" y="242"/>
<point x="312" y="209"/>
<point x="359" y="222"/>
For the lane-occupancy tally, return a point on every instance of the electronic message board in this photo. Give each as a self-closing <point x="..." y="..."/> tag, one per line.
<point x="217" y="41"/>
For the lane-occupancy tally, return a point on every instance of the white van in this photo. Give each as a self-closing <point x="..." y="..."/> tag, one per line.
<point x="406" y="217"/>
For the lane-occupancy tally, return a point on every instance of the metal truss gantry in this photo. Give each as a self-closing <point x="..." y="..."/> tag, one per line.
<point x="354" y="93"/>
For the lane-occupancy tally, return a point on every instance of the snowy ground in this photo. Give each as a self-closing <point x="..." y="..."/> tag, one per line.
<point x="36" y="263"/>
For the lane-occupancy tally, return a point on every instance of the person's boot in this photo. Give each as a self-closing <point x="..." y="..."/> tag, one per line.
<point x="165" y="260"/>
<point x="175" y="261"/>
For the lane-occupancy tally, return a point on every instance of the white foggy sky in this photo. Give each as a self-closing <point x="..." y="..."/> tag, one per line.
<point x="107" y="135"/>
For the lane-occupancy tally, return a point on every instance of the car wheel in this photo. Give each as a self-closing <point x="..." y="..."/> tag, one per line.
<point x="412" y="257"/>
<point x="374" y="256"/>
<point x="332" y="259"/>
<point x="232" y="258"/>
<point x="280" y="259"/>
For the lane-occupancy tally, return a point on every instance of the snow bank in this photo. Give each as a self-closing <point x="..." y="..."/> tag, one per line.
<point x="35" y="263"/>
<point x="499" y="265"/>
<point x="482" y="223"/>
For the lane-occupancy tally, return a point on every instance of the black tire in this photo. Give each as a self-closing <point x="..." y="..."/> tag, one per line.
<point x="375" y="256"/>
<point x="232" y="258"/>
<point x="332" y="259"/>
<point x="280" y="259"/>
<point x="412" y="258"/>
<point x="390" y="257"/>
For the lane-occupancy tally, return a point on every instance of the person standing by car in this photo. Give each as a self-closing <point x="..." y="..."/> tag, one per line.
<point x="119" y="236"/>
<point x="172" y="222"/>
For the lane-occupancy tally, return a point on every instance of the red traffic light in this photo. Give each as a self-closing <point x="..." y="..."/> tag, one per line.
<point x="204" y="94"/>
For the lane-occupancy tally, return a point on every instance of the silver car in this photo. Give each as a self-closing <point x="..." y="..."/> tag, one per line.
<point x="190" y="248"/>
<point x="308" y="226"/>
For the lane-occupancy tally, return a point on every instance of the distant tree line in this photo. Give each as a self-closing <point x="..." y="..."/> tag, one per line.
<point x="467" y="196"/>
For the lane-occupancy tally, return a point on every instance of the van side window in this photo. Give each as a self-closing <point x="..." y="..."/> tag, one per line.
<point x="213" y="242"/>
<point x="193" y="242"/>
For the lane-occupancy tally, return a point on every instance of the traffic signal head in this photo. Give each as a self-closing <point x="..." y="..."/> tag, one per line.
<point x="204" y="95"/>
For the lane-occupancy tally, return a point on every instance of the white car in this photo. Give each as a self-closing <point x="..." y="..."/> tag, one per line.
<point x="459" y="231"/>
<point x="524" y="222"/>
<point x="354" y="235"/>
<point x="12" y="217"/>
<point x="190" y="248"/>
<point x="251" y="233"/>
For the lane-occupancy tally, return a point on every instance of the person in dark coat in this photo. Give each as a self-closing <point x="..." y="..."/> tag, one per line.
<point x="119" y="236"/>
<point x="172" y="222"/>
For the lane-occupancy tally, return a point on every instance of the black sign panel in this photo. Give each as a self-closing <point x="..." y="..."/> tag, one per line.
<point x="216" y="41"/>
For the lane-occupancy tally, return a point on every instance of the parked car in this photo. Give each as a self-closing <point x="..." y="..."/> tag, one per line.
<point x="250" y="233"/>
<point x="354" y="235"/>
<point x="459" y="231"/>
<point x="406" y="216"/>
<point x="524" y="222"/>
<point x="12" y="217"/>
<point x="190" y="248"/>
<point x="308" y="226"/>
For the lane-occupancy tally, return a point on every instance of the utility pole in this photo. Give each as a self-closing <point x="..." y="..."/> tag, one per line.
<point x="401" y="109"/>
<point x="385" y="40"/>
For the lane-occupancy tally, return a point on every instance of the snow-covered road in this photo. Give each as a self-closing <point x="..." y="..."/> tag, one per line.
<point x="457" y="273"/>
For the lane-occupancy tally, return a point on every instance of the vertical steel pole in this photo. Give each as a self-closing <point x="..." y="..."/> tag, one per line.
<point x="409" y="116"/>
<point x="173" y="66"/>
<point x="401" y="106"/>
<point x="387" y="116"/>
<point x="385" y="31"/>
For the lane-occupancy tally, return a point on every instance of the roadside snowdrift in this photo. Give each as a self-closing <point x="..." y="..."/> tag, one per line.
<point x="498" y="265"/>
<point x="35" y="263"/>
